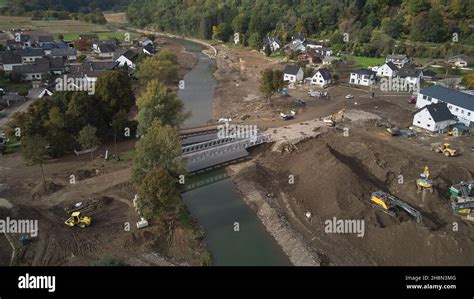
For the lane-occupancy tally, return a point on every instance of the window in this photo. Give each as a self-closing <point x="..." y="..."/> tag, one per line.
<point x="419" y="122"/>
<point x="429" y="126"/>
<point x="429" y="118"/>
<point x="457" y="109"/>
<point x="469" y="114"/>
<point x="450" y="107"/>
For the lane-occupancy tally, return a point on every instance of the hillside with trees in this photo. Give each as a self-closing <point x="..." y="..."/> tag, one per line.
<point x="364" y="27"/>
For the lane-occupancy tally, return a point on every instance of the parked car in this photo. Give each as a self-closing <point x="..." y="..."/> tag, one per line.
<point x="298" y="103"/>
<point x="412" y="101"/>
<point x="349" y="96"/>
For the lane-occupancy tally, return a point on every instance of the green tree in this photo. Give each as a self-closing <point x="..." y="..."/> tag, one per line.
<point x="161" y="146"/>
<point x="158" y="196"/>
<point x="163" y="68"/>
<point x="114" y="91"/>
<point x="268" y="50"/>
<point x="159" y="103"/>
<point x="34" y="151"/>
<point x="87" y="138"/>
<point x="271" y="82"/>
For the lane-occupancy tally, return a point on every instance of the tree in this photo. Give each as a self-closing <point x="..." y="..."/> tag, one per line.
<point x="161" y="146"/>
<point x="468" y="81"/>
<point x="271" y="82"/>
<point x="157" y="194"/>
<point x="268" y="50"/>
<point x="114" y="91"/>
<point x="159" y="103"/>
<point x="87" y="138"/>
<point x="34" y="151"/>
<point x="254" y="40"/>
<point x="163" y="68"/>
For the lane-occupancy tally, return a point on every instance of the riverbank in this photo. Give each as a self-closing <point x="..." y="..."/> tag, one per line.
<point x="292" y="243"/>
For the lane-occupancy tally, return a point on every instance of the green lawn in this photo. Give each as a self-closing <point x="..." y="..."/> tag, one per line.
<point x="103" y="35"/>
<point x="365" y="62"/>
<point x="10" y="86"/>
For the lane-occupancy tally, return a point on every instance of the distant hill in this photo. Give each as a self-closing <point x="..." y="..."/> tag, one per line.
<point x="365" y="27"/>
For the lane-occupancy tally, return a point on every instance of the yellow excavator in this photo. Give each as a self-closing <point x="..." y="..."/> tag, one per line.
<point x="331" y="120"/>
<point x="424" y="182"/>
<point x="77" y="220"/>
<point x="391" y="205"/>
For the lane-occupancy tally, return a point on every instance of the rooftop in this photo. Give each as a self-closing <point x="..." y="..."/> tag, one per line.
<point x="450" y="96"/>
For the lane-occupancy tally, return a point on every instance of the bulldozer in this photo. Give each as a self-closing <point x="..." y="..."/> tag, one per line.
<point x="331" y="120"/>
<point x="391" y="205"/>
<point x="77" y="220"/>
<point x="445" y="149"/>
<point x="424" y="182"/>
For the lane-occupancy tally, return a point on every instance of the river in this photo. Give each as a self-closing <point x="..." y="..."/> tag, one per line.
<point x="233" y="233"/>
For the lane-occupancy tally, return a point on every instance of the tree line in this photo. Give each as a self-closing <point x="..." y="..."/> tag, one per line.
<point x="364" y="27"/>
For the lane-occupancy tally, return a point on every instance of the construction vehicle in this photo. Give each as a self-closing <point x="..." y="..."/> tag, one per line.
<point x="391" y="205"/>
<point x="77" y="220"/>
<point x="445" y="149"/>
<point x="424" y="182"/>
<point x="393" y="132"/>
<point x="331" y="120"/>
<point x="462" y="199"/>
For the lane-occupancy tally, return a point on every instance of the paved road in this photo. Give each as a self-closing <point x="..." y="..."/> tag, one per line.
<point x="18" y="104"/>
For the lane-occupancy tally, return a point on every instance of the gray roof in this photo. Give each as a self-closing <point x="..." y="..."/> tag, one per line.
<point x="106" y="48"/>
<point x="64" y="52"/>
<point x="7" y="57"/>
<point x="45" y="39"/>
<point x="292" y="69"/>
<point x="392" y="66"/>
<point x="364" y="72"/>
<point x="40" y="66"/>
<point x="30" y="52"/>
<point x="325" y="73"/>
<point x="450" y="96"/>
<point x="130" y="54"/>
<point x="439" y="112"/>
<point x="460" y="57"/>
<point x="397" y="57"/>
<point x="270" y="39"/>
<point x="409" y="72"/>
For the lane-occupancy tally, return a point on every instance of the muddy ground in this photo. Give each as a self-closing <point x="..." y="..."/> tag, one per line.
<point x="334" y="177"/>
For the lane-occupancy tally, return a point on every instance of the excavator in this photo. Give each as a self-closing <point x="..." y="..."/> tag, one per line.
<point x="391" y="204"/>
<point x="331" y="120"/>
<point x="462" y="199"/>
<point x="424" y="182"/>
<point x="77" y="220"/>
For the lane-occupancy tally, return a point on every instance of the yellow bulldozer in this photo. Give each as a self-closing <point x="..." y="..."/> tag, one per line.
<point x="445" y="149"/>
<point x="77" y="220"/>
<point x="424" y="182"/>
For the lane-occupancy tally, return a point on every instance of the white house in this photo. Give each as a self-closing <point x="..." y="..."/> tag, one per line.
<point x="434" y="118"/>
<point x="30" y="55"/>
<point x="274" y="43"/>
<point x="105" y="50"/>
<point x="460" y="104"/>
<point x="387" y="70"/>
<point x="411" y="76"/>
<point x="364" y="77"/>
<point x="399" y="60"/>
<point x="324" y="51"/>
<point x="459" y="60"/>
<point x="293" y="73"/>
<point x="128" y="58"/>
<point x="322" y="78"/>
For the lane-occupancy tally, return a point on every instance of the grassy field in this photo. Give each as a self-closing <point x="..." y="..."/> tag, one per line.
<point x="3" y="3"/>
<point x="70" y="29"/>
<point x="365" y="62"/>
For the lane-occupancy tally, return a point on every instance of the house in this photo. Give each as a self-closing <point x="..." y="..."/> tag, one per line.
<point x="399" y="60"/>
<point x="33" y="71"/>
<point x="272" y="41"/>
<point x="128" y="58"/>
<point x="92" y="70"/>
<point x="44" y="39"/>
<point x="8" y="60"/>
<point x="145" y="42"/>
<point x="434" y="118"/>
<point x="460" y="104"/>
<point x="324" y="51"/>
<point x="56" y="65"/>
<point x="389" y="69"/>
<point x="149" y="50"/>
<point x="364" y="77"/>
<point x="429" y="75"/>
<point x="19" y="42"/>
<point x="30" y="55"/>
<point x="112" y="43"/>
<point x="297" y="46"/>
<point x="313" y="58"/>
<point x="105" y="50"/>
<point x="66" y="53"/>
<point x="298" y="38"/>
<point x="330" y="60"/>
<point x="40" y="92"/>
<point x="322" y="78"/>
<point x="411" y="76"/>
<point x="459" y="60"/>
<point x="293" y="73"/>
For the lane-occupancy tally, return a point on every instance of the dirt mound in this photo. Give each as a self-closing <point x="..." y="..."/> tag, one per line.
<point x="335" y="176"/>
<point x="45" y="188"/>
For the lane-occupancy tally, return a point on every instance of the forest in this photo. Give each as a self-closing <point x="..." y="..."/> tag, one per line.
<point x="20" y="7"/>
<point x="364" y="27"/>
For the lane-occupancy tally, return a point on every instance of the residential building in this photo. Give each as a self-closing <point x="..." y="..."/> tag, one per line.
<point x="399" y="60"/>
<point x="30" y="55"/>
<point x="460" y="104"/>
<point x="324" y="51"/>
<point x="434" y="118"/>
<point x="459" y="60"/>
<point x="410" y="75"/>
<point x="8" y="60"/>
<point x="32" y="71"/>
<point x="293" y="73"/>
<point x="389" y="69"/>
<point x="66" y="53"/>
<point x="363" y="77"/>
<point x="272" y="41"/>
<point x="322" y="78"/>
<point x="128" y="58"/>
